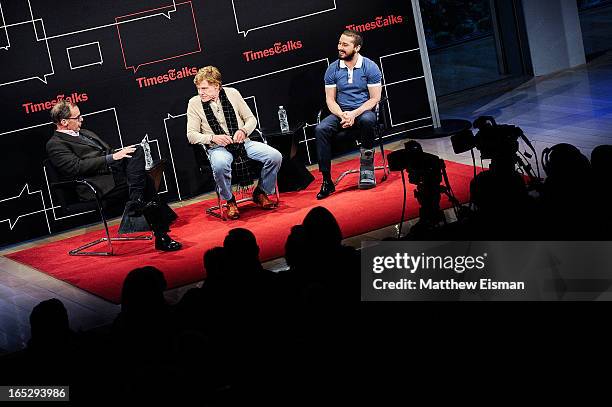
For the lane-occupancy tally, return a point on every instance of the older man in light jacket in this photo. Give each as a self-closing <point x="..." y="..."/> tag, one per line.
<point x="217" y="118"/>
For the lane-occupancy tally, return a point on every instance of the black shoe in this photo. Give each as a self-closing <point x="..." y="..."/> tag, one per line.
<point x="327" y="187"/>
<point x="165" y="243"/>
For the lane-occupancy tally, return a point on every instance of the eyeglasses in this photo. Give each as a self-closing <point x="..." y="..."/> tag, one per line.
<point x="79" y="117"/>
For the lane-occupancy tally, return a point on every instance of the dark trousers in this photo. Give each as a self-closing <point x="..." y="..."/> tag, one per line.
<point x="364" y="127"/>
<point x="131" y="183"/>
<point x="131" y="179"/>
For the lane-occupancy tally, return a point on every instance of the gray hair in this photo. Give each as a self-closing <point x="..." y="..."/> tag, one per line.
<point x="60" y="111"/>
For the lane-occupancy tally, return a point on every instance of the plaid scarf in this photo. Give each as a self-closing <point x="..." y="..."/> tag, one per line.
<point x="240" y="164"/>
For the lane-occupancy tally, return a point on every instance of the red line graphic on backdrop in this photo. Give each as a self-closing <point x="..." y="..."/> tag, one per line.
<point x="135" y="67"/>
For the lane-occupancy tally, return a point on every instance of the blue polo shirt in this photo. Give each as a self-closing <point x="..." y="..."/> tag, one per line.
<point x="352" y="84"/>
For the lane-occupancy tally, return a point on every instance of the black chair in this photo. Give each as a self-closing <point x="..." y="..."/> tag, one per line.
<point x="65" y="200"/>
<point x="244" y="187"/>
<point x="382" y="125"/>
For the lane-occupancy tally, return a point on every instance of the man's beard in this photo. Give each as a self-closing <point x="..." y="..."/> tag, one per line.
<point x="346" y="57"/>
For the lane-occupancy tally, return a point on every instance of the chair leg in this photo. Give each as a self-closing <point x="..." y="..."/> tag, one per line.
<point x="217" y="211"/>
<point x="344" y="174"/>
<point x="383" y="167"/>
<point x="276" y="193"/>
<point x="81" y="250"/>
<point x="222" y="211"/>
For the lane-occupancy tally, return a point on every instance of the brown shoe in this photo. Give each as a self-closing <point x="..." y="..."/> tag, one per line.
<point x="232" y="210"/>
<point x="261" y="199"/>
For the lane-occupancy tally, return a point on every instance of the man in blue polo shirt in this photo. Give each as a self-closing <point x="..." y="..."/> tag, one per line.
<point x="352" y="90"/>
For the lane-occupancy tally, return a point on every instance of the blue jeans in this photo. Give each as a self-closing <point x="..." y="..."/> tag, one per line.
<point x="221" y="163"/>
<point x="364" y="127"/>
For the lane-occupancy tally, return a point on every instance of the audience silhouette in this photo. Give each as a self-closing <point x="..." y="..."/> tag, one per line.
<point x="219" y="334"/>
<point x="568" y="196"/>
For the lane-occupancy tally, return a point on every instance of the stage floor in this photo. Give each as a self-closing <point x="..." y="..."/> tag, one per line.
<point x="572" y="106"/>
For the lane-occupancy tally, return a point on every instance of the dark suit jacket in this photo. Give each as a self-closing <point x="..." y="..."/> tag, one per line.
<point x="74" y="158"/>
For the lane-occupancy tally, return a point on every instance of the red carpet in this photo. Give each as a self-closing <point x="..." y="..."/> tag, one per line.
<point x="356" y="211"/>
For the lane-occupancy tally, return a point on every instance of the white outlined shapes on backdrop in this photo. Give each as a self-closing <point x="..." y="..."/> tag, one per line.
<point x="242" y="27"/>
<point x="40" y="35"/>
<point x="24" y="194"/>
<point x="138" y="56"/>
<point x="83" y="47"/>
<point x="5" y="42"/>
<point x="387" y="85"/>
<point x="13" y="51"/>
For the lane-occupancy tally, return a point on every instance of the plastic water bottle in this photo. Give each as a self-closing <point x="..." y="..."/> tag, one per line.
<point x="147" y="153"/>
<point x="282" y="118"/>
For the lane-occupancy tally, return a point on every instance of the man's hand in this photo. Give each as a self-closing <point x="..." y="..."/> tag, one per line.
<point x="123" y="153"/>
<point x="347" y="119"/>
<point x="222" y="139"/>
<point x="239" y="136"/>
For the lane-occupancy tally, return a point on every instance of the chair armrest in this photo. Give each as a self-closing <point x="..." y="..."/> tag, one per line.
<point x="64" y="184"/>
<point x="73" y="183"/>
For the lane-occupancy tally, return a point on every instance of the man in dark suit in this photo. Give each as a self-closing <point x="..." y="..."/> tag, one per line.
<point x="117" y="175"/>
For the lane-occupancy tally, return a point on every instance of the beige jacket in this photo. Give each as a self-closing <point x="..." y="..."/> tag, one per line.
<point x="198" y="129"/>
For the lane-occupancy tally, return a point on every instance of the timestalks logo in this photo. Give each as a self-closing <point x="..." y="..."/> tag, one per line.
<point x="170" y="76"/>
<point x="379" y="22"/>
<point x="278" y="48"/>
<point x="33" y="107"/>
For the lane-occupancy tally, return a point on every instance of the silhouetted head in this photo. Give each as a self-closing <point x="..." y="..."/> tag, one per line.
<point x="601" y="160"/>
<point x="321" y="227"/>
<point x="49" y="321"/>
<point x="241" y="245"/>
<point x="565" y="161"/>
<point x="214" y="259"/>
<point x="295" y="247"/>
<point x="143" y="289"/>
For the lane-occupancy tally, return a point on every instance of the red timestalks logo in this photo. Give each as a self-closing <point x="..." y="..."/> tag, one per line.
<point x="379" y="22"/>
<point x="278" y="48"/>
<point x="74" y="98"/>
<point x="171" y="75"/>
